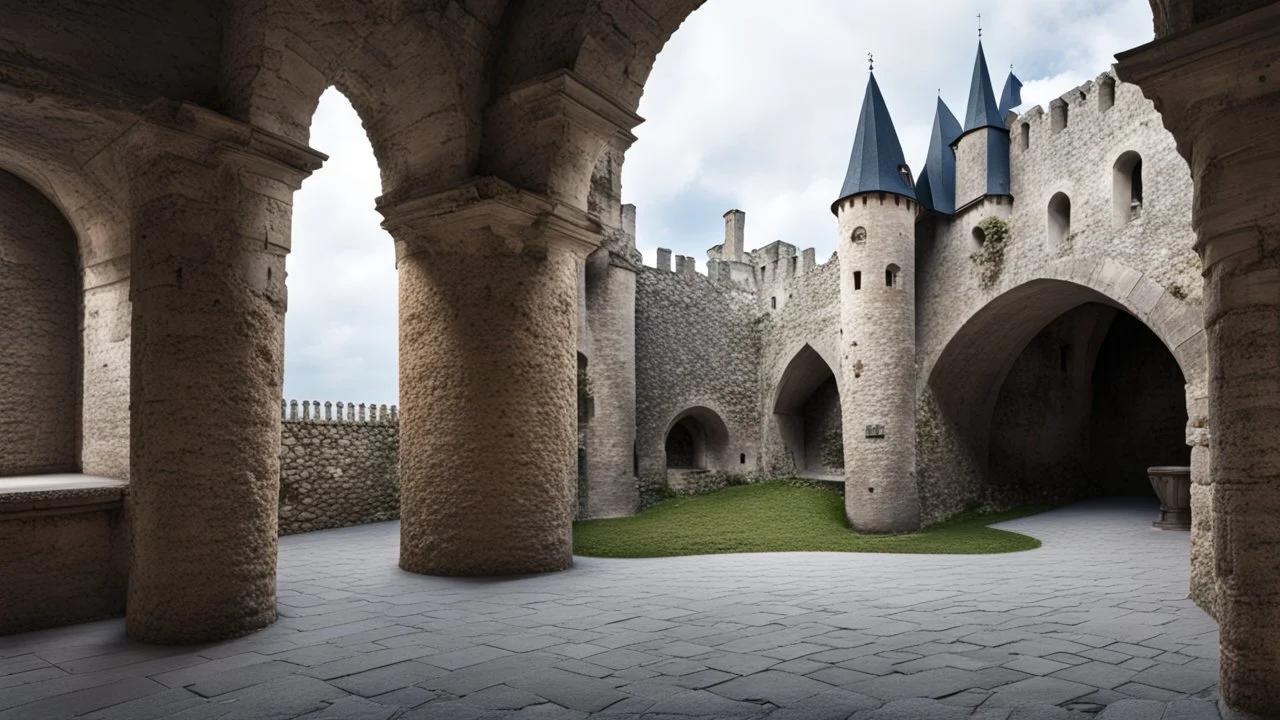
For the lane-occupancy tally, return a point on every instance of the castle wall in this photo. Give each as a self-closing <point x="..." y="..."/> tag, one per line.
<point x="338" y="467"/>
<point x="1145" y="265"/>
<point x="697" y="345"/>
<point x="808" y="313"/>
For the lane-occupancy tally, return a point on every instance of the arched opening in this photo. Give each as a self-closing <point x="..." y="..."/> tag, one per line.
<point x="697" y="443"/>
<point x="1058" y="112"/>
<point x="1024" y="137"/>
<point x="979" y="236"/>
<point x="806" y="409"/>
<point x="341" y="338"/>
<point x="891" y="275"/>
<point x="40" y="344"/>
<point x="1066" y="396"/>
<point x="1059" y="221"/>
<point x="1126" y="192"/>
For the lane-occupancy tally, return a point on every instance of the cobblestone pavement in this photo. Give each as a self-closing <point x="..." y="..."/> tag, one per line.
<point x="1095" y="624"/>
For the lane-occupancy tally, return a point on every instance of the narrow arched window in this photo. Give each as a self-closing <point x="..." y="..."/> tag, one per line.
<point x="1059" y="224"/>
<point x="1024" y="138"/>
<point x="891" y="276"/>
<point x="857" y="279"/>
<point x="1058" y="115"/>
<point x="1126" y="189"/>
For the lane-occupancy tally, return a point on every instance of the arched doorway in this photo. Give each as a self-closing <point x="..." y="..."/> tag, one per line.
<point x="696" y="445"/>
<point x="806" y="409"/>
<point x="1056" y="391"/>
<point x="40" y="345"/>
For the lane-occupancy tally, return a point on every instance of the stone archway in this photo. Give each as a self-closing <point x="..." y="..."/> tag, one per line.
<point x="806" y="410"/>
<point x="696" y="443"/>
<point x="40" y="376"/>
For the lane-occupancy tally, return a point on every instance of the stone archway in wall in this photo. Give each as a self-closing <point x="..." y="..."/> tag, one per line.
<point x="806" y="412"/>
<point x="696" y="445"/>
<point x="40" y="341"/>
<point x="1056" y="390"/>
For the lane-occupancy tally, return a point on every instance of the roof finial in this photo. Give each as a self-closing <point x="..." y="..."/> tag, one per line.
<point x="979" y="26"/>
<point x="871" y="62"/>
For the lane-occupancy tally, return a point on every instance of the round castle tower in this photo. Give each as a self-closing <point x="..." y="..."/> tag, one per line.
<point x="876" y="215"/>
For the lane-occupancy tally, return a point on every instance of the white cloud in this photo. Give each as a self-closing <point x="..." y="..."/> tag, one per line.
<point x="341" y="330"/>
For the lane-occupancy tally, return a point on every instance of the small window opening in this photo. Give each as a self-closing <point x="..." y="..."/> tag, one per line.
<point x="979" y="236"/>
<point x="773" y="303"/>
<point x="857" y="279"/>
<point x="1059" y="222"/>
<point x="1126" y="190"/>
<point x="891" y="276"/>
<point x="742" y="459"/>
<point x="859" y="235"/>
<point x="1024" y="138"/>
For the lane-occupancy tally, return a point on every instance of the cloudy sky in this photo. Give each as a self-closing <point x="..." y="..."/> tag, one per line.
<point x="748" y="107"/>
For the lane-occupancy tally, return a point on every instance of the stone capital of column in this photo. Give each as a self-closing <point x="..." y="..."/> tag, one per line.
<point x="453" y="220"/>
<point x="563" y="94"/>
<point x="204" y="135"/>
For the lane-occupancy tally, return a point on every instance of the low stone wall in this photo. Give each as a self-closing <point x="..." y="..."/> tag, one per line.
<point x="338" y="468"/>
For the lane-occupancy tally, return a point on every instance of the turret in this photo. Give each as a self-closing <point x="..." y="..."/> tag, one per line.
<point x="936" y="188"/>
<point x="876" y="217"/>
<point x="982" y="150"/>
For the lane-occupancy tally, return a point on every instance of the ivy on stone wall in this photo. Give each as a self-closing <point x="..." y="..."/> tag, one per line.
<point x="990" y="257"/>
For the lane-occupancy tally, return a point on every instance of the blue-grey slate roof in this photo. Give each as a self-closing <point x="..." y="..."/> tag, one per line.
<point x="983" y="110"/>
<point x="936" y="188"/>
<point x="876" y="163"/>
<point x="1011" y="97"/>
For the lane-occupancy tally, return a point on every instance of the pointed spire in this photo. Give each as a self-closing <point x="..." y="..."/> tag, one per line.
<point x="1011" y="97"/>
<point x="983" y="110"/>
<point x="876" y="163"/>
<point x="937" y="187"/>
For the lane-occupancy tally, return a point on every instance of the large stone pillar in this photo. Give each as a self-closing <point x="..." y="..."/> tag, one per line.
<point x="1216" y="89"/>
<point x="212" y="206"/>
<point x="488" y="378"/>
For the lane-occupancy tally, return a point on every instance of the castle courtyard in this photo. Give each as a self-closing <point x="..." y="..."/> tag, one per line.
<point x="1096" y="621"/>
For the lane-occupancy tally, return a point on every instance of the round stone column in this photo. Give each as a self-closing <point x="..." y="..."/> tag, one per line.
<point x="488" y="380"/>
<point x="211" y="229"/>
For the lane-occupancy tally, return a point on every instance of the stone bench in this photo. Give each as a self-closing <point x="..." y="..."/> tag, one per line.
<point x="64" y="548"/>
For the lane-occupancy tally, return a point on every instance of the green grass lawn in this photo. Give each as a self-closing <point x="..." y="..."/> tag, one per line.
<point x="777" y="517"/>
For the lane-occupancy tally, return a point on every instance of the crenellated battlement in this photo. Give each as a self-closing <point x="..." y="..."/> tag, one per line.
<point x="313" y="411"/>
<point x="765" y="271"/>
<point x="1087" y="110"/>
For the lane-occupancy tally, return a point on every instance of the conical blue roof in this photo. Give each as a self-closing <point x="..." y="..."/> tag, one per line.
<point x="1011" y="97"/>
<point x="876" y="163"/>
<point x="983" y="110"/>
<point x="937" y="187"/>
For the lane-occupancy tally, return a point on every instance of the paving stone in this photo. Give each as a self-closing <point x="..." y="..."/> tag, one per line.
<point x="350" y="708"/>
<point x="242" y="677"/>
<point x="1097" y="674"/>
<point x="913" y="709"/>
<point x="1176" y="678"/>
<point x="1132" y="709"/>
<point x="738" y="663"/>
<point x="569" y="689"/>
<point x="458" y="659"/>
<point x="707" y="704"/>
<point x="837" y="676"/>
<point x="834" y="704"/>
<point x="285" y="697"/>
<point x="503" y="697"/>
<point x="1035" y="665"/>
<point x="1147" y="692"/>
<point x="1192" y="709"/>
<point x="1038" y="690"/>
<point x="409" y="697"/>
<point x="779" y="688"/>
<point x="382" y="680"/>
<point x="927" y="684"/>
